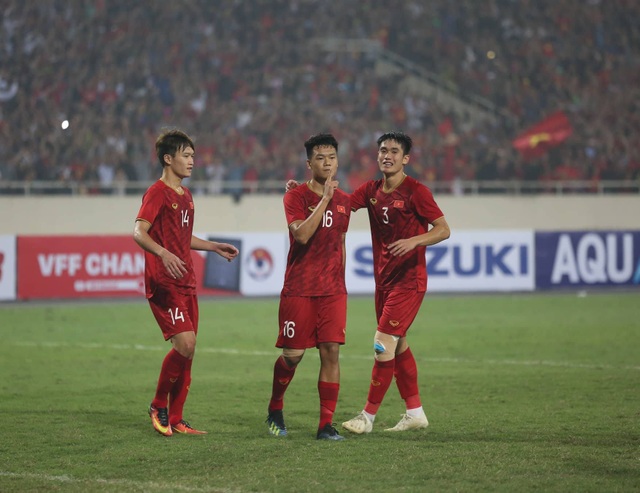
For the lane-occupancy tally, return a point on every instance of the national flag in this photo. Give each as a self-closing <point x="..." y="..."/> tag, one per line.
<point x="398" y="204"/>
<point x="342" y="209"/>
<point x="548" y="133"/>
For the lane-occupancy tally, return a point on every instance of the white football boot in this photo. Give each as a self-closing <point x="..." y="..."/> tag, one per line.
<point x="410" y="423"/>
<point x="360" y="424"/>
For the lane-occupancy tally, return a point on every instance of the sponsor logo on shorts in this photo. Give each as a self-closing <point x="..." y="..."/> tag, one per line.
<point x="394" y="323"/>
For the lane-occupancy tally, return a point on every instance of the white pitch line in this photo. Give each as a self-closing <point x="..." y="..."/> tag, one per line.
<point x="138" y="485"/>
<point x="242" y="352"/>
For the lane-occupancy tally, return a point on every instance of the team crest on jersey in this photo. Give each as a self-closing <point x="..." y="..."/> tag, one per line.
<point x="373" y="201"/>
<point x="341" y="209"/>
<point x="174" y="205"/>
<point x="398" y="204"/>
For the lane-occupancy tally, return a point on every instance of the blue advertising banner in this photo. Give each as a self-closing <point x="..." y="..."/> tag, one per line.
<point x="587" y="259"/>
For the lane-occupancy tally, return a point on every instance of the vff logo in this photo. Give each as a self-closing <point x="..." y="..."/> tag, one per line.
<point x="259" y="264"/>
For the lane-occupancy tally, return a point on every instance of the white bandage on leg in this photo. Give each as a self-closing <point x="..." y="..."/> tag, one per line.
<point x="384" y="346"/>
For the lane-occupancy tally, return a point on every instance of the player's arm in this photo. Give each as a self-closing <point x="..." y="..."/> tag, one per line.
<point x="302" y="231"/>
<point x="175" y="267"/>
<point x="439" y="232"/>
<point x="225" y="250"/>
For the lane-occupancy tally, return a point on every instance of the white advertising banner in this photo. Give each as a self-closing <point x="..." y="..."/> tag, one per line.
<point x="468" y="261"/>
<point x="483" y="261"/>
<point x="259" y="269"/>
<point x="7" y="267"/>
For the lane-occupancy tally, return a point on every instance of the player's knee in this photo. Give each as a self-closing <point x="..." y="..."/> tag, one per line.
<point x="329" y="352"/>
<point x="186" y="349"/>
<point x="384" y="347"/>
<point x="381" y="352"/>
<point x="378" y="347"/>
<point x="292" y="356"/>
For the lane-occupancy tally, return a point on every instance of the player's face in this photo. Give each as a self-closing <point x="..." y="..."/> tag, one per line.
<point x="323" y="163"/>
<point x="182" y="163"/>
<point x="391" y="157"/>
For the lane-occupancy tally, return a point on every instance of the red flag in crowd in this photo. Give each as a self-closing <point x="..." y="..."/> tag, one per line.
<point x="538" y="139"/>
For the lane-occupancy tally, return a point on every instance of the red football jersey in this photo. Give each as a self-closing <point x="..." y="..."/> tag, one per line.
<point x="317" y="268"/>
<point x="171" y="217"/>
<point x="405" y="212"/>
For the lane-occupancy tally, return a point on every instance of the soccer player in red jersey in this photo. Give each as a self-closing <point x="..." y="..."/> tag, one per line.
<point x="313" y="301"/>
<point x="404" y="220"/>
<point x="164" y="229"/>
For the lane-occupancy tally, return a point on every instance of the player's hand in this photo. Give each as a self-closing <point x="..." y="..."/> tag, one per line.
<point x="175" y="266"/>
<point x="227" y="251"/>
<point x="291" y="184"/>
<point x="329" y="187"/>
<point x="401" y="247"/>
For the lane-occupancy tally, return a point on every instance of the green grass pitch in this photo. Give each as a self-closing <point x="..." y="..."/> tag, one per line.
<point x="535" y="392"/>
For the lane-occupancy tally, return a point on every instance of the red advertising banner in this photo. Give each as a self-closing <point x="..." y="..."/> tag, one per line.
<point x="59" y="267"/>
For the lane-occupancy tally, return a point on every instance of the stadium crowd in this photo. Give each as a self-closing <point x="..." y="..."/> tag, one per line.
<point x="85" y="85"/>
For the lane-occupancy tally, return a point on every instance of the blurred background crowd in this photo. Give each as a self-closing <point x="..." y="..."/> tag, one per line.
<point x="86" y="86"/>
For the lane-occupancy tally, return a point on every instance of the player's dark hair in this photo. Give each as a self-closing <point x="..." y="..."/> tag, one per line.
<point x="172" y="141"/>
<point x="320" y="140"/>
<point x="400" y="137"/>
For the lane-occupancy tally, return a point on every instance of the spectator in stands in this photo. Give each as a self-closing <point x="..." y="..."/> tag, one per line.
<point x="245" y="80"/>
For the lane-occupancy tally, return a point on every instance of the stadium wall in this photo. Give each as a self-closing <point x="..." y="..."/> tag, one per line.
<point x="260" y="213"/>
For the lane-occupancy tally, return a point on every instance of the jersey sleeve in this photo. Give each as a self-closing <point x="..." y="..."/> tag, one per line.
<point x="151" y="206"/>
<point x="425" y="205"/>
<point x="293" y="207"/>
<point x="359" y="197"/>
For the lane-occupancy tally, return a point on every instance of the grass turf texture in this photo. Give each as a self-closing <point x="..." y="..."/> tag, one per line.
<point x="523" y="392"/>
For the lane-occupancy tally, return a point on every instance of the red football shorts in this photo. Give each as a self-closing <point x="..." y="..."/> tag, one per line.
<point x="396" y="310"/>
<point x="174" y="312"/>
<point x="307" y="321"/>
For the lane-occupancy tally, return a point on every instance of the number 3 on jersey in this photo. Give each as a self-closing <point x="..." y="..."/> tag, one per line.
<point x="289" y="329"/>
<point x="385" y="216"/>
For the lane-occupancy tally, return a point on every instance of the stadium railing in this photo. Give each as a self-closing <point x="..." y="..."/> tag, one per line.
<point x="239" y="188"/>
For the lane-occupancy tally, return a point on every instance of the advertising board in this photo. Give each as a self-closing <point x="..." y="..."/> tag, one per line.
<point x="587" y="259"/>
<point x="7" y="267"/>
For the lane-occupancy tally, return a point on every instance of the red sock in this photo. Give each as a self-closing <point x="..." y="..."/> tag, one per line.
<point x="171" y="371"/>
<point x="381" y="378"/>
<point x="328" y="392"/>
<point x="282" y="376"/>
<point x="406" y="372"/>
<point x="178" y="394"/>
